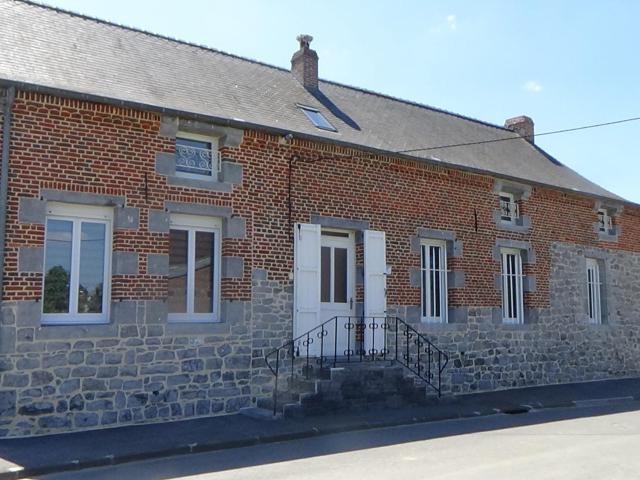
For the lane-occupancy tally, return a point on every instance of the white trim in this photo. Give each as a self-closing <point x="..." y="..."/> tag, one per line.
<point x="193" y="224"/>
<point x="428" y="275"/>
<point x="216" y="163"/>
<point x="594" y="292"/>
<point x="512" y="298"/>
<point x="77" y="215"/>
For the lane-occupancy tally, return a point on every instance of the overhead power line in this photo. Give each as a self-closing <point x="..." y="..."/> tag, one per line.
<point x="554" y="132"/>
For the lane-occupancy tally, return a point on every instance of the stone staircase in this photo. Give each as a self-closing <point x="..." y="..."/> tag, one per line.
<point x="351" y="387"/>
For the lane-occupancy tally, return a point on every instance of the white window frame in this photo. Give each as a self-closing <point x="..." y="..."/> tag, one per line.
<point x="427" y="276"/>
<point x="607" y="221"/>
<point x="216" y="163"/>
<point x="594" y="292"/>
<point x="515" y="208"/>
<point x="509" y="295"/>
<point x="192" y="224"/>
<point x="79" y="214"/>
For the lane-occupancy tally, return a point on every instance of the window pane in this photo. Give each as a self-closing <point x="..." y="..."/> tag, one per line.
<point x="340" y="275"/>
<point x="325" y="274"/>
<point x="57" y="267"/>
<point x="90" y="283"/>
<point x="203" y="284"/>
<point x="194" y="156"/>
<point x="178" y="245"/>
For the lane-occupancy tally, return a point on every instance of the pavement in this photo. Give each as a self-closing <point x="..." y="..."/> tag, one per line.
<point x="26" y="457"/>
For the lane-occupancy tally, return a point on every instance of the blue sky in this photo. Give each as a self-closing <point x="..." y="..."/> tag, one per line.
<point x="565" y="64"/>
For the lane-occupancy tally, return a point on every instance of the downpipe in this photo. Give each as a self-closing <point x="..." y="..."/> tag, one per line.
<point x="10" y="95"/>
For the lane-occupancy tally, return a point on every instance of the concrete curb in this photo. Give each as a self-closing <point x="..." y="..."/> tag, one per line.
<point x="302" y="434"/>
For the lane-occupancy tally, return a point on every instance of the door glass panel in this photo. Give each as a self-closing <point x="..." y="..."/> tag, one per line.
<point x="178" y="247"/>
<point x="325" y="274"/>
<point x="57" y="277"/>
<point x="340" y="275"/>
<point x="203" y="288"/>
<point x="90" y="283"/>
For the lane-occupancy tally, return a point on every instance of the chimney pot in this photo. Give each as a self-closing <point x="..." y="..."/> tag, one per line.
<point x="521" y="125"/>
<point x="304" y="63"/>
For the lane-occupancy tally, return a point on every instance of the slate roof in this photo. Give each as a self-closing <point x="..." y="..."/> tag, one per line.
<point x="52" y="48"/>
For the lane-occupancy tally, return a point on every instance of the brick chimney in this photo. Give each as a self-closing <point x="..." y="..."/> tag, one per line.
<point x="304" y="63"/>
<point x="522" y="125"/>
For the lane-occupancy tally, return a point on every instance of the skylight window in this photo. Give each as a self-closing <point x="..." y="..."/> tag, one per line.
<point x="317" y="118"/>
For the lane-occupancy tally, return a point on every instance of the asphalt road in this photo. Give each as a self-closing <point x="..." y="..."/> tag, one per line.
<point x="601" y="442"/>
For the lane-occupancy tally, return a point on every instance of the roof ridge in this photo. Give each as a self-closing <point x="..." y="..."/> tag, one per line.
<point x="251" y="60"/>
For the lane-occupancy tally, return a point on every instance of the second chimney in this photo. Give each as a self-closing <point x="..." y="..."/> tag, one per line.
<point x="522" y="125"/>
<point x="304" y="63"/>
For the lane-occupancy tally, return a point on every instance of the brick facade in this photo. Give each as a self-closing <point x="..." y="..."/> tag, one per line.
<point x="140" y="368"/>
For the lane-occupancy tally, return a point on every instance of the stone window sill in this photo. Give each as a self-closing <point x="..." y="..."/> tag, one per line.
<point x="213" y="186"/>
<point x="185" y="328"/>
<point x="64" y="332"/>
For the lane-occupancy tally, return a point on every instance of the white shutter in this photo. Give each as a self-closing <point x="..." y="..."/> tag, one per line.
<point x="375" y="287"/>
<point x="306" y="281"/>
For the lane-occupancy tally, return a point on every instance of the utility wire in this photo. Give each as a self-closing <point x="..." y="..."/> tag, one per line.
<point x="517" y="138"/>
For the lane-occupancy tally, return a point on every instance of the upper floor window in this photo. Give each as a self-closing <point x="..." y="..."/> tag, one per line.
<point x="194" y="268"/>
<point x="197" y="156"/>
<point x="434" y="281"/>
<point x="605" y="224"/>
<point x="594" y="291"/>
<point x="512" y="290"/>
<point x="317" y="118"/>
<point x="509" y="210"/>
<point x="76" y="264"/>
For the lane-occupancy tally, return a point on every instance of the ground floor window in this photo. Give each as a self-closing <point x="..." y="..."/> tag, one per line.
<point x="512" y="297"/>
<point x="76" y="264"/>
<point x="434" y="281"/>
<point x="594" y="290"/>
<point x="194" y="268"/>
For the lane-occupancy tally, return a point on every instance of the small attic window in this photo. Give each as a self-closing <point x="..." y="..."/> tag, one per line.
<point x="317" y="118"/>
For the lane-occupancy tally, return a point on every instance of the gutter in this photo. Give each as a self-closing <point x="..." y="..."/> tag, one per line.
<point x="244" y="125"/>
<point x="10" y="95"/>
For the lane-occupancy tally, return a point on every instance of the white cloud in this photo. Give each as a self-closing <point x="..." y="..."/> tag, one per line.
<point x="451" y="21"/>
<point x="532" y="86"/>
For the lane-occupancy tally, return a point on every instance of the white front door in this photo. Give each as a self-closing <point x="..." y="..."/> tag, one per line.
<point x="337" y="290"/>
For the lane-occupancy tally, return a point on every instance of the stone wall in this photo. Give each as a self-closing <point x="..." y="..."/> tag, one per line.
<point x="558" y="344"/>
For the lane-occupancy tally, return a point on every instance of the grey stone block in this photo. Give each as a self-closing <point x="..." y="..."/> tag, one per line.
<point x="124" y="263"/>
<point x="528" y="253"/>
<point x="529" y="283"/>
<point x="7" y="403"/>
<point x="83" y="198"/>
<point x="232" y="267"/>
<point x="30" y="259"/>
<point x="227" y="136"/>
<point x="123" y="312"/>
<point x="204" y="184"/>
<point x="7" y="339"/>
<point x="59" y="332"/>
<point x="158" y="264"/>
<point x="436" y="234"/>
<point x="455" y="279"/>
<point x="158" y="221"/>
<point x="126" y="218"/>
<point x="155" y="311"/>
<point x="259" y="274"/>
<point x="168" y="126"/>
<point x="458" y="315"/>
<point x="234" y="227"/>
<point x="198" y="209"/>
<point x="232" y="311"/>
<point x="343" y="223"/>
<point x="28" y="313"/>
<point x="32" y="210"/>
<point x="231" y="173"/>
<point x="415" y="277"/>
<point x="519" y="190"/>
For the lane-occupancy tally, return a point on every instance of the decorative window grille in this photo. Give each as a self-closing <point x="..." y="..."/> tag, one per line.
<point x="594" y="288"/>
<point x="509" y="210"/>
<point x="197" y="156"/>
<point x="512" y="293"/>
<point x="434" y="281"/>
<point x="604" y="221"/>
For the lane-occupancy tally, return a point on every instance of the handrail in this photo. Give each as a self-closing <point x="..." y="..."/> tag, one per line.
<point x="403" y="344"/>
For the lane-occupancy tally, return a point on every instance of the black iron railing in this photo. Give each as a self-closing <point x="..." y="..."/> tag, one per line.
<point x="347" y="339"/>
